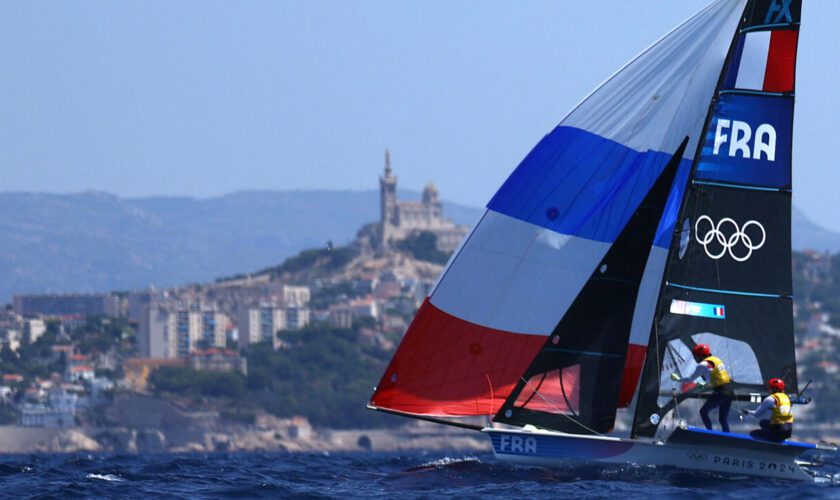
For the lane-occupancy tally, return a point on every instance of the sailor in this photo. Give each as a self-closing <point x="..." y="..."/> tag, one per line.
<point x="711" y="370"/>
<point x="780" y="424"/>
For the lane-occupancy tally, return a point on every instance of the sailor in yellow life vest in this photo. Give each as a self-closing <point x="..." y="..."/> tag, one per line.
<point x="713" y="372"/>
<point x="780" y="424"/>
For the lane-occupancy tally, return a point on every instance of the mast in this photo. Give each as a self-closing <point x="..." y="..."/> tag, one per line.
<point x="728" y="266"/>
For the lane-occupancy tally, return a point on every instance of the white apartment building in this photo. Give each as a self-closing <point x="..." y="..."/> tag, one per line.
<point x="33" y="329"/>
<point x="260" y="323"/>
<point x="175" y="331"/>
<point x="297" y="317"/>
<point x="296" y="296"/>
<point x="10" y="338"/>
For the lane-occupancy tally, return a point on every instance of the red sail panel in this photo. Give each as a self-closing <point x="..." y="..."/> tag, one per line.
<point x="446" y="366"/>
<point x="632" y="371"/>
<point x="557" y="391"/>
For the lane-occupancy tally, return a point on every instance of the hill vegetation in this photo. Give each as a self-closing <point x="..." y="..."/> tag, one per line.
<point x="323" y="373"/>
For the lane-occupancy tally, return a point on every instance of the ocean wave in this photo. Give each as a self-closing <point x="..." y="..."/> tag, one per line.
<point x="105" y="477"/>
<point x="445" y="461"/>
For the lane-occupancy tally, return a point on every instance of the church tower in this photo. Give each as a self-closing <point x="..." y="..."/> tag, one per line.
<point x="388" y="200"/>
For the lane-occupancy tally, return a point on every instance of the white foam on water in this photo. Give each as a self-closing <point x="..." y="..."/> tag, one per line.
<point x="105" y="477"/>
<point x="442" y="462"/>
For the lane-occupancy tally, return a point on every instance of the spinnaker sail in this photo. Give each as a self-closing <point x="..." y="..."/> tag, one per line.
<point x="548" y="228"/>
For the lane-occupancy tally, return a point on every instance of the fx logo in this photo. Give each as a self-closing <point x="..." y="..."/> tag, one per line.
<point x="779" y="11"/>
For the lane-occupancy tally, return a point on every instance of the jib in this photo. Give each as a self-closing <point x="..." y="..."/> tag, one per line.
<point x="739" y="134"/>
<point x="517" y="444"/>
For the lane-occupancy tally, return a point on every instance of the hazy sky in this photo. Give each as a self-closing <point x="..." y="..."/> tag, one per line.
<point x="204" y="98"/>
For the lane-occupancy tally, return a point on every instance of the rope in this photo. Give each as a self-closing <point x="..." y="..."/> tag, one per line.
<point x="677" y="359"/>
<point x="738" y="408"/>
<point x="560" y="411"/>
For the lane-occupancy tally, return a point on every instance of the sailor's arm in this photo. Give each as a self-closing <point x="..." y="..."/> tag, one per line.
<point x="768" y="404"/>
<point x="702" y="370"/>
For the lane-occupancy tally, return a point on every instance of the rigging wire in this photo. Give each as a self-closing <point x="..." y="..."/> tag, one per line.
<point x="563" y="391"/>
<point x="738" y="408"/>
<point x="560" y="411"/>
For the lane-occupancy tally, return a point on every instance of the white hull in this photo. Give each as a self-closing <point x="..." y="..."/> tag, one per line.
<point x="692" y="450"/>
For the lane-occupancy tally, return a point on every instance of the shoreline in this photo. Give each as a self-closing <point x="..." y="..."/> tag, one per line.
<point x="27" y="440"/>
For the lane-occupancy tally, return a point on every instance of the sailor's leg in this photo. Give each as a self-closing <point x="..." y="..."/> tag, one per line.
<point x="780" y="432"/>
<point x="761" y="434"/>
<point x="711" y="404"/>
<point x="723" y="414"/>
<point x="786" y="431"/>
<point x="764" y="433"/>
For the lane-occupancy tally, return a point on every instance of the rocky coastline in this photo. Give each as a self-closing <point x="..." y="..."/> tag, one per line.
<point x="144" y="424"/>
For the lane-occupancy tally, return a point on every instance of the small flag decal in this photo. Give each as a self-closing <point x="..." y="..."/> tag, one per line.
<point x="714" y="311"/>
<point x="765" y="61"/>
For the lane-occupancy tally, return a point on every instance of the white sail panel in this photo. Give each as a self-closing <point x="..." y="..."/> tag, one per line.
<point x="509" y="266"/>
<point x="663" y="95"/>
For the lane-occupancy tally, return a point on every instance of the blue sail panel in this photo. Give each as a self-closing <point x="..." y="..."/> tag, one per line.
<point x="749" y="142"/>
<point x="580" y="184"/>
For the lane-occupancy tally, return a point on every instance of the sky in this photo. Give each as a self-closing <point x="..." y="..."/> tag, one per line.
<point x="202" y="98"/>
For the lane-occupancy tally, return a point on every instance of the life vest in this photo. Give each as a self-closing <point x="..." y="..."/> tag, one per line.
<point x="718" y="376"/>
<point x="782" y="413"/>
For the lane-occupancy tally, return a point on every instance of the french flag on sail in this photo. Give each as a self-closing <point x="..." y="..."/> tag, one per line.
<point x="765" y="61"/>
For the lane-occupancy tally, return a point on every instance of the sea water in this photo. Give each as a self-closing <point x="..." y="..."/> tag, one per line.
<point x="369" y="475"/>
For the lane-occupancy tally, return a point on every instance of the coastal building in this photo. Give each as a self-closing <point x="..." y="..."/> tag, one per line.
<point x="344" y="315"/>
<point x="10" y="339"/>
<point x="58" y="412"/>
<point x="54" y="305"/>
<point x="401" y="219"/>
<point x="12" y="378"/>
<point x="153" y="331"/>
<point x="387" y="286"/>
<point x="297" y="317"/>
<point x="175" y="330"/>
<point x="296" y="295"/>
<point x="79" y="369"/>
<point x="195" y="328"/>
<point x="260" y="323"/>
<point x="33" y="329"/>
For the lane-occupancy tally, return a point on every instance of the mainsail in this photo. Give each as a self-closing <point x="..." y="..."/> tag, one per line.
<point x="728" y="277"/>
<point x="551" y="224"/>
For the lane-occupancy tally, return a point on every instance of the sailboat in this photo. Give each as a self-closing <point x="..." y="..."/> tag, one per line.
<point x="655" y="217"/>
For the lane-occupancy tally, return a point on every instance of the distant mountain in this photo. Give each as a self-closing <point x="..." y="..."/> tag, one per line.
<point x="808" y="235"/>
<point x="94" y="241"/>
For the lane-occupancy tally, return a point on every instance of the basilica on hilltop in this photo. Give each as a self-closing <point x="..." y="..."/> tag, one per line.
<point x="401" y="219"/>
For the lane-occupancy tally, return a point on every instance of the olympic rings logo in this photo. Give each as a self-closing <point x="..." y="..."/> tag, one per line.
<point x="715" y="233"/>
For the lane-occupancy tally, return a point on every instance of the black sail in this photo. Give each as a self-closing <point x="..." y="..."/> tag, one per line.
<point x="728" y="277"/>
<point x="573" y="383"/>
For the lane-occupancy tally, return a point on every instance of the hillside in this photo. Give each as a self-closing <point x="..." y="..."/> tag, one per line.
<point x="99" y="242"/>
<point x="95" y="241"/>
